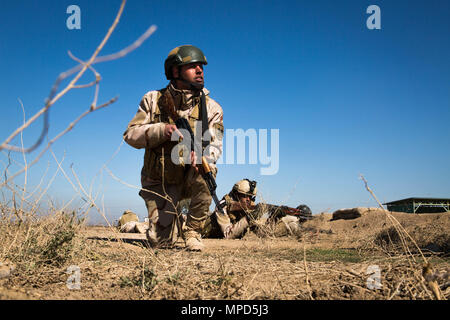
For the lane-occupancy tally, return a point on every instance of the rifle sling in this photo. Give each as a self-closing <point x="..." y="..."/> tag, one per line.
<point x="204" y="115"/>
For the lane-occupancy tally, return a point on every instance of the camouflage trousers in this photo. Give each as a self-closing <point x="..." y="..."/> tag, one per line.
<point x="164" y="213"/>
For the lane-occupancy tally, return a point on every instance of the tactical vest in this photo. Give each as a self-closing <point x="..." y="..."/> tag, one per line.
<point x="158" y="164"/>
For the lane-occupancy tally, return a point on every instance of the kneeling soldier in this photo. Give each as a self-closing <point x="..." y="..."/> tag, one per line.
<point x="165" y="181"/>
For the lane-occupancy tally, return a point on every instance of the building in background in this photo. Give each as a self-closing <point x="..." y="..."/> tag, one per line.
<point x="419" y="205"/>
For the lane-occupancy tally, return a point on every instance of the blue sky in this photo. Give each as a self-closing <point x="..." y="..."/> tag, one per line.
<point x="346" y="100"/>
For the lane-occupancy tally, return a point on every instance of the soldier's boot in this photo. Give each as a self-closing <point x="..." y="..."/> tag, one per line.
<point x="152" y="236"/>
<point x="141" y="227"/>
<point x="193" y="241"/>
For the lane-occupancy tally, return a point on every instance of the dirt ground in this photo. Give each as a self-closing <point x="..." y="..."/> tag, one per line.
<point x="374" y="256"/>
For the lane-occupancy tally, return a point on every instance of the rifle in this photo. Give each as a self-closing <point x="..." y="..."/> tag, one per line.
<point x="276" y="212"/>
<point x="182" y="123"/>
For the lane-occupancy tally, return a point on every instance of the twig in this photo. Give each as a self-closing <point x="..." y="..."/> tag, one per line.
<point x="281" y="286"/>
<point x="397" y="225"/>
<point x="308" y="285"/>
<point x="40" y="183"/>
<point x="396" y="290"/>
<point x="70" y="127"/>
<point x="81" y="69"/>
<point x="133" y="186"/>
<point x="24" y="158"/>
<point x="292" y="191"/>
<point x="427" y="274"/>
<point x="427" y="268"/>
<point x="46" y="189"/>
<point x="53" y="97"/>
<point x="143" y="275"/>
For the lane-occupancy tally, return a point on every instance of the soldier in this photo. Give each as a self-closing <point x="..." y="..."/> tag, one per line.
<point x="170" y="173"/>
<point x="239" y="208"/>
<point x="242" y="215"/>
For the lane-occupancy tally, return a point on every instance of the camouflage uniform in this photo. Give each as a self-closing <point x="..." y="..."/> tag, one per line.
<point x="262" y="219"/>
<point x="233" y="224"/>
<point x="164" y="182"/>
<point x="236" y="224"/>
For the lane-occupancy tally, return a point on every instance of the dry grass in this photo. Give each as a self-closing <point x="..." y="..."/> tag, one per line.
<point x="324" y="260"/>
<point x="39" y="244"/>
<point x="251" y="268"/>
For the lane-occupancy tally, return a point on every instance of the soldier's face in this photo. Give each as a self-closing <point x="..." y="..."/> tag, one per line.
<point x="192" y="72"/>
<point x="245" y="201"/>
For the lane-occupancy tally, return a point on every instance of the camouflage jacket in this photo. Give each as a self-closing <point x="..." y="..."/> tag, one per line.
<point x="146" y="130"/>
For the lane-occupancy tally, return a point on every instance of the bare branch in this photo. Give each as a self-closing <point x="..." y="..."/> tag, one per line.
<point x="70" y="127"/>
<point x="81" y="68"/>
<point x="122" y="53"/>
<point x="133" y="186"/>
<point x="401" y="231"/>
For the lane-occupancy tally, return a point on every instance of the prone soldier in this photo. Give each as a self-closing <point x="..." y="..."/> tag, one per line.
<point x="242" y="215"/>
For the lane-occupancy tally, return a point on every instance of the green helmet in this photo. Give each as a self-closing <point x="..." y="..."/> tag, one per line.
<point x="182" y="55"/>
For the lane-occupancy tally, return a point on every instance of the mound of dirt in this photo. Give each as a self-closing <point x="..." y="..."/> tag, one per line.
<point x="360" y="227"/>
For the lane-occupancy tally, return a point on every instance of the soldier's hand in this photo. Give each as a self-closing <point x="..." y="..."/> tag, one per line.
<point x="169" y="129"/>
<point x="194" y="161"/>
